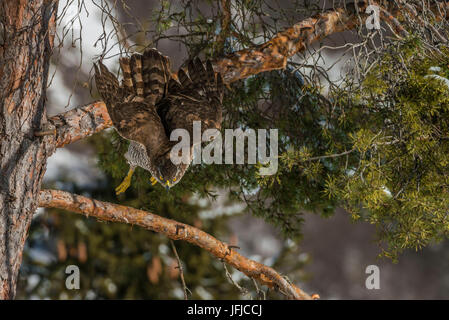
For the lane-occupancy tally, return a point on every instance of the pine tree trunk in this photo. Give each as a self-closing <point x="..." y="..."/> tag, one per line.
<point x="26" y="40"/>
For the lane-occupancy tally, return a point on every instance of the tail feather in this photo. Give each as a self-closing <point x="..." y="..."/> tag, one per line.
<point x="127" y="81"/>
<point x="149" y="76"/>
<point x="136" y="71"/>
<point x="146" y="76"/>
<point x="156" y="73"/>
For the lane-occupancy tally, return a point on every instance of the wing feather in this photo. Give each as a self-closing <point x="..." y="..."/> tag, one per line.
<point x="136" y="71"/>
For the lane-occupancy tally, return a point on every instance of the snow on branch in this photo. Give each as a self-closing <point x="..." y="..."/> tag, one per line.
<point x="174" y="230"/>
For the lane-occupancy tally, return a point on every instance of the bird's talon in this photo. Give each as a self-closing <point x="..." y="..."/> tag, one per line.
<point x="123" y="186"/>
<point x="125" y="183"/>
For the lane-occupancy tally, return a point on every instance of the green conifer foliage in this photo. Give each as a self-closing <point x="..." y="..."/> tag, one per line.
<point x="400" y="140"/>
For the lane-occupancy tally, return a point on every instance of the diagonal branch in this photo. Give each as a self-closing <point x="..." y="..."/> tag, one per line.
<point x="172" y="229"/>
<point x="272" y="55"/>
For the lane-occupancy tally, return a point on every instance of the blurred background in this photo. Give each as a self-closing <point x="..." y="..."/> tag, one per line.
<point x="124" y="262"/>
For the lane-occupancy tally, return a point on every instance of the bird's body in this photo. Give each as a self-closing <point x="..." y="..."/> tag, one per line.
<point x="150" y="103"/>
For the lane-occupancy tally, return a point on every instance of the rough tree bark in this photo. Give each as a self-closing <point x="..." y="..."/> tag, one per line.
<point x="26" y="41"/>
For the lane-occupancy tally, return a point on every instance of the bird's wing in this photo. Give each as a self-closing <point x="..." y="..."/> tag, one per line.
<point x="197" y="96"/>
<point x="138" y="121"/>
<point x="133" y="116"/>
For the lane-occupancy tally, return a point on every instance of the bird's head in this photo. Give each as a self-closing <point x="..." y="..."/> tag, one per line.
<point x="167" y="173"/>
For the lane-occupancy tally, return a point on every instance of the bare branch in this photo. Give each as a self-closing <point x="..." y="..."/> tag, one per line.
<point x="181" y="270"/>
<point x="172" y="229"/>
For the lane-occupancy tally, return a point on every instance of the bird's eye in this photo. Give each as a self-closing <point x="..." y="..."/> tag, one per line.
<point x="174" y="179"/>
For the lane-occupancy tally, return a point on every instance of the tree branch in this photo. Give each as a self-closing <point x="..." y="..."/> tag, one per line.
<point x="79" y="123"/>
<point x="172" y="229"/>
<point x="181" y="270"/>
<point x="272" y="55"/>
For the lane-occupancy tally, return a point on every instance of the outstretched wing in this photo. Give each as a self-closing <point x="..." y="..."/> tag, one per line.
<point x="197" y="96"/>
<point x="132" y="106"/>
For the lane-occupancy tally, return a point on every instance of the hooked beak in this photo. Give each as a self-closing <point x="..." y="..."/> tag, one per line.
<point x="167" y="186"/>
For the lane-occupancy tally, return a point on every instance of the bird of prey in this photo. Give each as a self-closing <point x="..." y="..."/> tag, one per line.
<point x="151" y="102"/>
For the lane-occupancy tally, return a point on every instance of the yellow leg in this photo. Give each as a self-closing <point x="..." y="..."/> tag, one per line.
<point x="153" y="181"/>
<point x="125" y="183"/>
